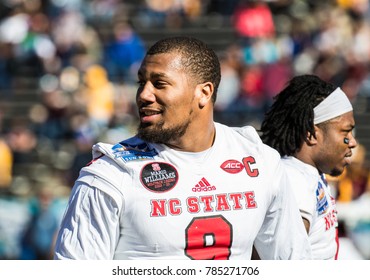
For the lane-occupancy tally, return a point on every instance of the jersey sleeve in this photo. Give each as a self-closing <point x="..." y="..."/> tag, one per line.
<point x="305" y="199"/>
<point x="282" y="235"/>
<point x="303" y="183"/>
<point x="90" y="226"/>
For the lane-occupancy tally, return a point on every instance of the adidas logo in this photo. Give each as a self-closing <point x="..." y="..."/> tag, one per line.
<point x="203" y="186"/>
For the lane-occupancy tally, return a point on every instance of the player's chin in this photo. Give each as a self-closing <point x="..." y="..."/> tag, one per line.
<point x="145" y="125"/>
<point x="337" y="171"/>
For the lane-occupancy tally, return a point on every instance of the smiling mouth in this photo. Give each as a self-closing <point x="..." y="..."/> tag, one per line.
<point x="148" y="112"/>
<point x="149" y="115"/>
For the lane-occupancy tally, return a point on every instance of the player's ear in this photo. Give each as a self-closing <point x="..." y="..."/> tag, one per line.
<point x="204" y="93"/>
<point x="312" y="138"/>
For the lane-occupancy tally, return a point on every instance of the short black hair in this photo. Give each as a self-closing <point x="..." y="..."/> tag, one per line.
<point x="197" y="57"/>
<point x="289" y="121"/>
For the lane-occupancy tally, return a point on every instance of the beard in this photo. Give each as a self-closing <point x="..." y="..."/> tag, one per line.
<point x="335" y="172"/>
<point x="158" y="134"/>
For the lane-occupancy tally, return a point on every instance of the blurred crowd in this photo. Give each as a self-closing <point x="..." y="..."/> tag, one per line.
<point x="74" y="63"/>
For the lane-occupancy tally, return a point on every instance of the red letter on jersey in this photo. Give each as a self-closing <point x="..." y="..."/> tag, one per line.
<point x="247" y="161"/>
<point x="174" y="206"/>
<point x="236" y="199"/>
<point x="207" y="202"/>
<point x="158" y="208"/>
<point x="222" y="204"/>
<point x="250" y="202"/>
<point x="193" y="206"/>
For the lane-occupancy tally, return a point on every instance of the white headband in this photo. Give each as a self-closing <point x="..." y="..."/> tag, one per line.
<point x="336" y="104"/>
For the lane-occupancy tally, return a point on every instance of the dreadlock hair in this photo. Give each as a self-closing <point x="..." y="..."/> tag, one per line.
<point x="199" y="59"/>
<point x="289" y="121"/>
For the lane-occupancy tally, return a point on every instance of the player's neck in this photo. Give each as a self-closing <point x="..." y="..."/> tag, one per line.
<point x="304" y="155"/>
<point x="195" y="141"/>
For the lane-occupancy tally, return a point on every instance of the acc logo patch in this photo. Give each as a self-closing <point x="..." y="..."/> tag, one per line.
<point x="159" y="176"/>
<point x="232" y="166"/>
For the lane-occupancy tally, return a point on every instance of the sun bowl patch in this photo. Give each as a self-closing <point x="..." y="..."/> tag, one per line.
<point x="159" y="176"/>
<point x="322" y="202"/>
<point x="129" y="152"/>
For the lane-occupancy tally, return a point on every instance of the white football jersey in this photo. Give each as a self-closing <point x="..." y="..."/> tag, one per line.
<point x="317" y="205"/>
<point x="139" y="200"/>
